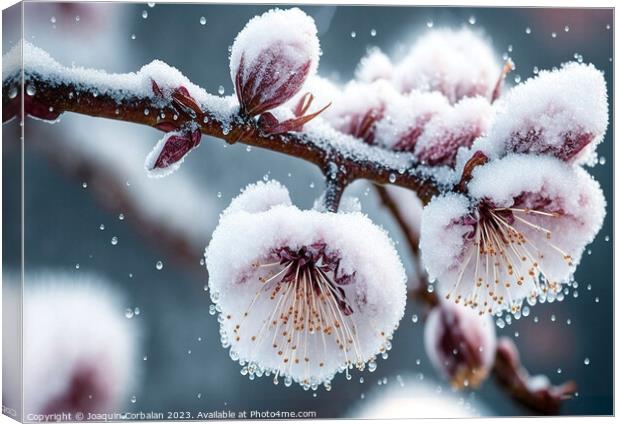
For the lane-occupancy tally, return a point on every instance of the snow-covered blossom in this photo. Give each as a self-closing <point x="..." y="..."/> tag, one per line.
<point x="427" y="125"/>
<point x="374" y="66"/>
<point x="519" y="232"/>
<point x="302" y="294"/>
<point x="359" y="107"/>
<point x="457" y="63"/>
<point x="272" y="57"/>
<point x="408" y="396"/>
<point x="460" y="344"/>
<point x="169" y="152"/>
<point x="78" y="347"/>
<point x="562" y="113"/>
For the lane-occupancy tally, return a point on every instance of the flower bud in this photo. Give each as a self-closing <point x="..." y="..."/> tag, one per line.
<point x="168" y="154"/>
<point x="460" y="344"/>
<point x="271" y="58"/>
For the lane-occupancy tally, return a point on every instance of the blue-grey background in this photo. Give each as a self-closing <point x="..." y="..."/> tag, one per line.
<point x="62" y="218"/>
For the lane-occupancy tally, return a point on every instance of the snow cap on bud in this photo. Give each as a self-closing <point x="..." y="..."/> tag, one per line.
<point x="169" y="152"/>
<point x="302" y="294"/>
<point x="457" y="127"/>
<point x="359" y="107"/>
<point x="460" y="344"/>
<point x="511" y="238"/>
<point x="272" y="57"/>
<point x="374" y="66"/>
<point x="457" y="63"/>
<point x="561" y="113"/>
<point x="406" y="118"/>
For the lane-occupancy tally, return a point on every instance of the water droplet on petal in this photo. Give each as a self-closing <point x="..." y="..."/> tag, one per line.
<point x="392" y="178"/>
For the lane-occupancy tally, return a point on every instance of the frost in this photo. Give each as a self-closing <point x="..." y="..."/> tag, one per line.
<point x="406" y="117"/>
<point x="374" y="66"/>
<point x="258" y="261"/>
<point x="515" y="237"/>
<point x="456" y="128"/>
<point x="271" y="57"/>
<point x="561" y="113"/>
<point x="457" y="63"/>
<point x="68" y="328"/>
<point x="122" y="87"/>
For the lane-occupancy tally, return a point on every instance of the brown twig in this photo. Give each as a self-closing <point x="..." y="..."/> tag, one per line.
<point x="81" y="97"/>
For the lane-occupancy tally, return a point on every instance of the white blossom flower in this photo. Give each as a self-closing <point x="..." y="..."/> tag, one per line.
<point x="519" y="232"/>
<point x="457" y="63"/>
<point x="562" y="113"/>
<point x="302" y="294"/>
<point x="359" y="107"/>
<point x="374" y="66"/>
<point x="412" y="395"/>
<point x="272" y="57"/>
<point x="460" y="344"/>
<point x="78" y="347"/>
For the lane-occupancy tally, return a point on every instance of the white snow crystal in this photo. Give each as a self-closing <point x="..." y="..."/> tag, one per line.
<point x="514" y="237"/>
<point x="353" y="294"/>
<point x="458" y="63"/>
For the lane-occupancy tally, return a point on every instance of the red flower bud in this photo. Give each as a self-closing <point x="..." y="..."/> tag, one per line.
<point x="460" y="344"/>
<point x="171" y="150"/>
<point x="271" y="59"/>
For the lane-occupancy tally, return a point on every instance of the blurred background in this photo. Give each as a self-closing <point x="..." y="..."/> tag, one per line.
<point x="90" y="209"/>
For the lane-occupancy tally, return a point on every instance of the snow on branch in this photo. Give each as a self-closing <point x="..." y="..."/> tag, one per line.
<point x="160" y="96"/>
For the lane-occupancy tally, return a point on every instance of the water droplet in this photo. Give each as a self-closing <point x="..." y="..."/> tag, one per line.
<point x="353" y="34"/>
<point x="159" y="265"/>
<point x="528" y="30"/>
<point x="429" y="24"/>
<point x="30" y="90"/>
<point x="144" y="358"/>
<point x="596" y="299"/>
<point x="248" y="148"/>
<point x="121" y="217"/>
<point x="566" y="28"/>
<point x="510" y="48"/>
<point x="472" y="20"/>
<point x="373" y="32"/>
<point x="568" y="321"/>
<point x="146" y="111"/>
<point x="189" y="351"/>
<point x="500" y="323"/>
<point x="586" y="361"/>
<point x="607" y="26"/>
<point x="607" y="238"/>
<point x="53" y="19"/>
<point x="414" y="318"/>
<point x="553" y="35"/>
<point x="151" y="4"/>
<point x="392" y="178"/>
<point x="12" y="92"/>
<point x="77" y="266"/>
<point x="145" y="14"/>
<point x="77" y="18"/>
<point x="602" y="160"/>
<point x="221" y="90"/>
<point x="559" y="371"/>
<point x="133" y="36"/>
<point x="552" y="318"/>
<point x="114" y="241"/>
<point x="84" y="184"/>
<point x="312" y="184"/>
<point x="418" y="361"/>
<point x="136" y="311"/>
<point x="517" y="79"/>
<point x="372" y="366"/>
<point x="589" y="287"/>
<point x="133" y="399"/>
<point x="102" y="227"/>
<point x="205" y="119"/>
<point x="535" y="319"/>
<point x="128" y="313"/>
<point x="203" y="20"/>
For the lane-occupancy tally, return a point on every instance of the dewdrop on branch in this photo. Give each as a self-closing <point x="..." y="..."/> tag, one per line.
<point x="302" y="294"/>
<point x="272" y="57"/>
<point x="562" y="113"/>
<point x="460" y="344"/>
<point x="511" y="237"/>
